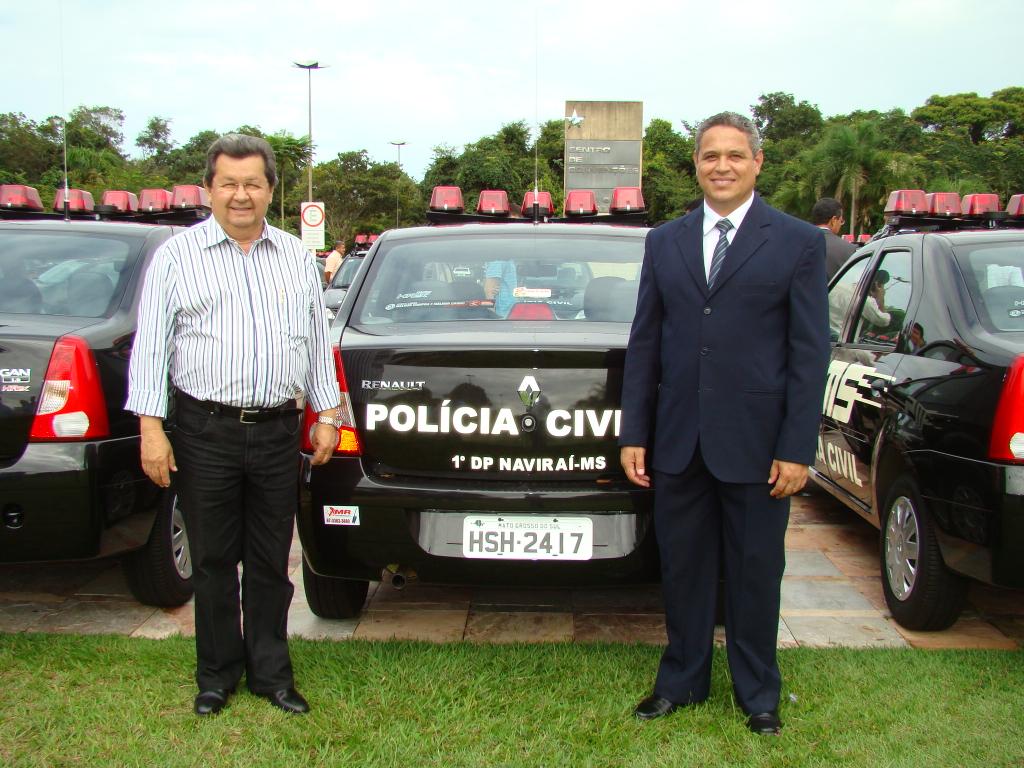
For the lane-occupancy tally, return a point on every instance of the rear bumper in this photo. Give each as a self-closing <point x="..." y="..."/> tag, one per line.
<point x="419" y="527"/>
<point x="979" y="512"/>
<point x="74" y="501"/>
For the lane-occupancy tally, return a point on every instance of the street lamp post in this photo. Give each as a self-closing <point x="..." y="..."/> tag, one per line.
<point x="309" y="66"/>
<point x="398" y="179"/>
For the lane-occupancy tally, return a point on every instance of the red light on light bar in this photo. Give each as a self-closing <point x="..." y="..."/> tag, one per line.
<point x="360" y="240"/>
<point x="943" y="203"/>
<point x="626" y="200"/>
<point x="371" y="239"/>
<point x="126" y="202"/>
<point x="975" y="205"/>
<point x="189" y="196"/>
<point x="1015" y="206"/>
<point x="580" y="202"/>
<point x="446" y="199"/>
<point x="545" y="206"/>
<point x="493" y="202"/>
<point x="154" y="200"/>
<point x="864" y="238"/>
<point x="848" y="238"/>
<point x="78" y="200"/>
<point x="907" y="201"/>
<point x="20" y="196"/>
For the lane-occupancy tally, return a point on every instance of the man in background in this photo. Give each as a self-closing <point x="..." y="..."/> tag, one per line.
<point x="827" y="215"/>
<point x="334" y="260"/>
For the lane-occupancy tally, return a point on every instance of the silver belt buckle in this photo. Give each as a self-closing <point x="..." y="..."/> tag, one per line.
<point x="242" y="412"/>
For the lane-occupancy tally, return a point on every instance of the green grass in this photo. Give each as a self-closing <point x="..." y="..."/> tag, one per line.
<point x="115" y="701"/>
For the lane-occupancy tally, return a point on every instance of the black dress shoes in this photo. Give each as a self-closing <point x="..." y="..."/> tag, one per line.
<point x="654" y="706"/>
<point x="210" y="702"/>
<point x="765" y="723"/>
<point x="289" y="700"/>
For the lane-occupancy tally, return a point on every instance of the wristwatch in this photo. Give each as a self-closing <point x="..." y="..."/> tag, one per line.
<point x="328" y="420"/>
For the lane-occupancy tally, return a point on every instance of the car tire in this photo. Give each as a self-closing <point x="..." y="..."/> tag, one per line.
<point x="331" y="598"/>
<point x="921" y="591"/>
<point x="160" y="573"/>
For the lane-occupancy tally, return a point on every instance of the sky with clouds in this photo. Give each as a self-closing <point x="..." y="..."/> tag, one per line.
<point x="450" y="72"/>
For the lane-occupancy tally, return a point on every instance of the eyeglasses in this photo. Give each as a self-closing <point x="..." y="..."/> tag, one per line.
<point x="232" y="187"/>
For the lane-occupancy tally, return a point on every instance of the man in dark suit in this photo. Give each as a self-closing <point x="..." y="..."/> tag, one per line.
<point x="827" y="215"/>
<point x="724" y="378"/>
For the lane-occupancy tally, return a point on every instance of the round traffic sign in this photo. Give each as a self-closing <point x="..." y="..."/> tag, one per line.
<point x="312" y="215"/>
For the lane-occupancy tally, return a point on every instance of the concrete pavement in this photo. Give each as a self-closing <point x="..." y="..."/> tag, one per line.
<point x="831" y="596"/>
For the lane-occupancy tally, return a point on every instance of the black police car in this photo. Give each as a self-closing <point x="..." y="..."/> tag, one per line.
<point x="71" y="484"/>
<point x="922" y="427"/>
<point x="481" y="374"/>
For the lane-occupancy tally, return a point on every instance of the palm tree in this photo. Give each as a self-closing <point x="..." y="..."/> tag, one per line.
<point x="291" y="151"/>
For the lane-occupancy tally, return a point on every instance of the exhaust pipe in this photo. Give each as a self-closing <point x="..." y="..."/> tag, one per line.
<point x="397" y="576"/>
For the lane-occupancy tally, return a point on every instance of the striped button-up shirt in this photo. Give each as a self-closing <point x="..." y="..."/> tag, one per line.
<point x="241" y="329"/>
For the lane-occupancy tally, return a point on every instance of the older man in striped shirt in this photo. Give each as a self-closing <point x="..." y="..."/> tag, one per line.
<point x="232" y="318"/>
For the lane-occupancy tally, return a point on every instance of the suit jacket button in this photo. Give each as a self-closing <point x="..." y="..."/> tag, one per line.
<point x="707" y="310"/>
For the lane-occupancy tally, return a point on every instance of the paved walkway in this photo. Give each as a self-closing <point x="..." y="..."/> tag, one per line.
<point x="831" y="596"/>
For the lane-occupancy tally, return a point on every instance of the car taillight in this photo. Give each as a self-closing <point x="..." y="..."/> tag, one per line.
<point x="348" y="439"/>
<point x="1007" y="442"/>
<point x="71" y="404"/>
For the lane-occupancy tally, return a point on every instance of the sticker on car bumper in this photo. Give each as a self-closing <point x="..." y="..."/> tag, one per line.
<point x="340" y="515"/>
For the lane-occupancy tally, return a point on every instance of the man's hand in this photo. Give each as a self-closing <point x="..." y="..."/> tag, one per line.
<point x="632" y="459"/>
<point x="325" y="440"/>
<point x="157" y="455"/>
<point x="787" y="478"/>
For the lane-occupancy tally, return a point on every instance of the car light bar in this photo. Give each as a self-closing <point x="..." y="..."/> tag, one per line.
<point x="979" y="204"/>
<point x="155" y="200"/>
<point x="545" y="206"/>
<point x="119" y="200"/>
<point x="906" y="201"/>
<point x="20" y="197"/>
<point x="580" y="202"/>
<point x="78" y="200"/>
<point x="447" y="199"/>
<point x="627" y="200"/>
<point x="189" y="196"/>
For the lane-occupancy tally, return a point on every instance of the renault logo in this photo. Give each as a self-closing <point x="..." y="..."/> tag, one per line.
<point x="529" y="391"/>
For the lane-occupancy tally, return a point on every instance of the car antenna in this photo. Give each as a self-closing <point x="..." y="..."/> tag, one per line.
<point x="64" y="112"/>
<point x="536" y="119"/>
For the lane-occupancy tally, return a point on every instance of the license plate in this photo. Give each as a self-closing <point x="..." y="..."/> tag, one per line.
<point x="527" y="537"/>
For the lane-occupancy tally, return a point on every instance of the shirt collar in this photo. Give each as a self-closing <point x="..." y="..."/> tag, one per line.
<point x="735" y="218"/>
<point x="215" y="234"/>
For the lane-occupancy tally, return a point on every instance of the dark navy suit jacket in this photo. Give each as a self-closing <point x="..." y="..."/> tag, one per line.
<point x="742" y="367"/>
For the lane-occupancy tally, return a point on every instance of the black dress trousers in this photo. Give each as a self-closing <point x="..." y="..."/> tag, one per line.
<point x="697" y="519"/>
<point x="238" y="489"/>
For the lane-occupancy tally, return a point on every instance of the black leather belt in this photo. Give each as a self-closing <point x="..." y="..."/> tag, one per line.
<point x="244" y="415"/>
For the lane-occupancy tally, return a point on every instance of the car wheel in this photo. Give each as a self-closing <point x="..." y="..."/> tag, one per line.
<point x="921" y="592"/>
<point x="331" y="598"/>
<point x="161" y="572"/>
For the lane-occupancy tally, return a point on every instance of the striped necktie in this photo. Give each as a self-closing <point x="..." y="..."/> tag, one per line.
<point x="718" y="258"/>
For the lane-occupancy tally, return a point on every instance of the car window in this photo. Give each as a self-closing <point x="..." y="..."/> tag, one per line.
<point x="346" y="273"/>
<point x="503" y="277"/>
<point x="63" y="274"/>
<point x="995" y="281"/>
<point x="886" y="301"/>
<point x="841" y="296"/>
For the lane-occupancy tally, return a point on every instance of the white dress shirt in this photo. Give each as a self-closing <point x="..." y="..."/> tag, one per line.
<point x="711" y="232"/>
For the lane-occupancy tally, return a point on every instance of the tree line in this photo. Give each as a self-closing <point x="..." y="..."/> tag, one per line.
<point x="958" y="143"/>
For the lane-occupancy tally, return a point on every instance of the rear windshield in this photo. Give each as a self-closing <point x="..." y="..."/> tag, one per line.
<point x="76" y="274"/>
<point x="507" y="277"/>
<point x="995" y="279"/>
